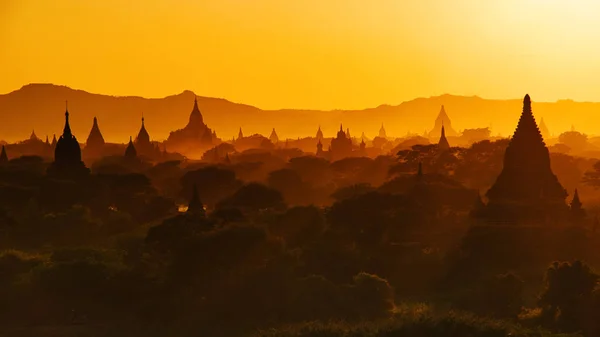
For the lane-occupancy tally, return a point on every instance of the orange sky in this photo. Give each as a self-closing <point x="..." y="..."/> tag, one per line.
<point x="320" y="54"/>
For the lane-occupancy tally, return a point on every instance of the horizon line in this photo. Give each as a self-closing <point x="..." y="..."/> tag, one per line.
<point x="283" y="109"/>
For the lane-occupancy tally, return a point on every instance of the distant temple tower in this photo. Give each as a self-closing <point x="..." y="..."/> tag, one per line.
<point x="442" y="120"/>
<point x="341" y="145"/>
<point x="443" y="144"/>
<point x="142" y="141"/>
<point x="382" y="132"/>
<point x="67" y="154"/>
<point x="319" y="149"/>
<point x="130" y="151"/>
<point x="319" y="134"/>
<point x="273" y="137"/>
<point x="95" y="141"/>
<point x="363" y="137"/>
<point x="33" y="136"/>
<point x="240" y="134"/>
<point x="526" y="189"/>
<point x="194" y="135"/>
<point x="3" y="156"/>
<point x="577" y="211"/>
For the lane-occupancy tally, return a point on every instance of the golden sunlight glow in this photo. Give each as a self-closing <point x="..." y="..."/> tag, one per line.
<point x="310" y="53"/>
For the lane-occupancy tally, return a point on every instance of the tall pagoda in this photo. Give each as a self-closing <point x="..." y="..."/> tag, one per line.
<point x="67" y="154"/>
<point x="95" y="140"/>
<point x="443" y="144"/>
<point x="442" y="120"/>
<point x="196" y="134"/>
<point x="527" y="190"/>
<point x="273" y="137"/>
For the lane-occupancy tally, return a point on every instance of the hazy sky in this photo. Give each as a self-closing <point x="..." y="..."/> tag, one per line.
<point x="321" y="54"/>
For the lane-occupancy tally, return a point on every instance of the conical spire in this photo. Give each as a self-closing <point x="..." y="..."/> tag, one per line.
<point x="576" y="203"/>
<point x="130" y="151"/>
<point x="3" y="156"/>
<point x="196" y="120"/>
<point x="143" y="137"/>
<point x="527" y="127"/>
<point x="47" y="141"/>
<point x="273" y="137"/>
<point x="33" y="136"/>
<point x="53" y="140"/>
<point x="382" y="132"/>
<point x="67" y="130"/>
<point x="240" y="134"/>
<point x="577" y="211"/>
<point x="442" y="119"/>
<point x="95" y="138"/>
<point x="195" y="205"/>
<point x="443" y="143"/>
<point x="527" y="178"/>
<point x="319" y="133"/>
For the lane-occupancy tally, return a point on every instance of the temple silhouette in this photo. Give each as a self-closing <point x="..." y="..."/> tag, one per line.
<point x="95" y="141"/>
<point x="196" y="135"/>
<point x="442" y="120"/>
<point x="67" y="155"/>
<point x="526" y="190"/>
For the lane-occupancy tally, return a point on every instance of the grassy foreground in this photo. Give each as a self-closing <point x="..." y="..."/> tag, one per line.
<point x="408" y="321"/>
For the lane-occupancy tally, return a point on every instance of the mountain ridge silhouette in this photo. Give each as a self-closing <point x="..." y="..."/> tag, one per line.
<point x="40" y="107"/>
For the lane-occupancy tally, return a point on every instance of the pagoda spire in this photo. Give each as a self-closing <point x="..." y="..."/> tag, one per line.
<point x="95" y="138"/>
<point x="195" y="121"/>
<point x="240" y="134"/>
<point x="443" y="144"/>
<point x="3" y="156"/>
<point x="382" y="133"/>
<point x="527" y="182"/>
<point x="130" y="151"/>
<point x="577" y="211"/>
<point x="319" y="133"/>
<point x="67" y="130"/>
<point x="273" y="137"/>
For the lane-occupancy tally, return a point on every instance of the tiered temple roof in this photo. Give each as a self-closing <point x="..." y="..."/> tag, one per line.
<point x="527" y="186"/>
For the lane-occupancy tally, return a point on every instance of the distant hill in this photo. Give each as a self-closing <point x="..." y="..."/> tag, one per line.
<point x="41" y="107"/>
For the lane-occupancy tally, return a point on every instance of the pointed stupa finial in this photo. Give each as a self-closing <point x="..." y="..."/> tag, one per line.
<point x="130" y="151"/>
<point x="67" y="130"/>
<point x="3" y="156"/>
<point x="576" y="198"/>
